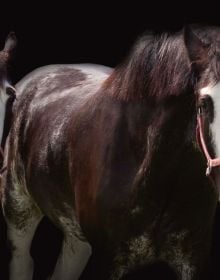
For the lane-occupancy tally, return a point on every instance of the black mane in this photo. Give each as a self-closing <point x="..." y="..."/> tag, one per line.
<point x="157" y="66"/>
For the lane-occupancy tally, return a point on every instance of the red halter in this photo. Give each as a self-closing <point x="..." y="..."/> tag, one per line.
<point x="211" y="163"/>
<point x="2" y="168"/>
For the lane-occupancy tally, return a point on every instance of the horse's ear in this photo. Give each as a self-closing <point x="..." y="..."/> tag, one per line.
<point x="10" y="43"/>
<point x="198" y="51"/>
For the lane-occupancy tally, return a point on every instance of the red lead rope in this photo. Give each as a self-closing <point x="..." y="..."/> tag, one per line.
<point x="2" y="168"/>
<point x="201" y="140"/>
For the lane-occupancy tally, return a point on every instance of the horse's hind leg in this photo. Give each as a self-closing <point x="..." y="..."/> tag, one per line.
<point x="22" y="218"/>
<point x="75" y="251"/>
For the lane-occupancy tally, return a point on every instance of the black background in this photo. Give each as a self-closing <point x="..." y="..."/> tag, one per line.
<point x="62" y="32"/>
<point x="51" y="33"/>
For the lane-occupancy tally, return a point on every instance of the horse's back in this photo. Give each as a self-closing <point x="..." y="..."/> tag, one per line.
<point x="47" y="108"/>
<point x="51" y="96"/>
<point x="64" y="76"/>
<point x="63" y="86"/>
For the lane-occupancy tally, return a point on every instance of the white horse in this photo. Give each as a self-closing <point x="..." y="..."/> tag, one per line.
<point x="7" y="91"/>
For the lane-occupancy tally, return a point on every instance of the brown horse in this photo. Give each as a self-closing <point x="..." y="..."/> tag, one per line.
<point x="110" y="156"/>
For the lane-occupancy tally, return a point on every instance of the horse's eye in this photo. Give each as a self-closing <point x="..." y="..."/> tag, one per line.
<point x="203" y="106"/>
<point x="10" y="91"/>
<point x="206" y="107"/>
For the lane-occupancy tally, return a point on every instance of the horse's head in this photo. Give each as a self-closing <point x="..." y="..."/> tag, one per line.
<point x="203" y="46"/>
<point x="6" y="90"/>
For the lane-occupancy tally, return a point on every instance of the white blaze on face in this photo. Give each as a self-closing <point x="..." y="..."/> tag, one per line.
<point x="214" y="93"/>
<point x="3" y="101"/>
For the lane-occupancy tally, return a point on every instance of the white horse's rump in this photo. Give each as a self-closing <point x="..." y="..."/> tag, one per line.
<point x="6" y="90"/>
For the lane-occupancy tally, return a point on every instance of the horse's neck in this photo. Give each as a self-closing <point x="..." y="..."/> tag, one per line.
<point x="167" y="149"/>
